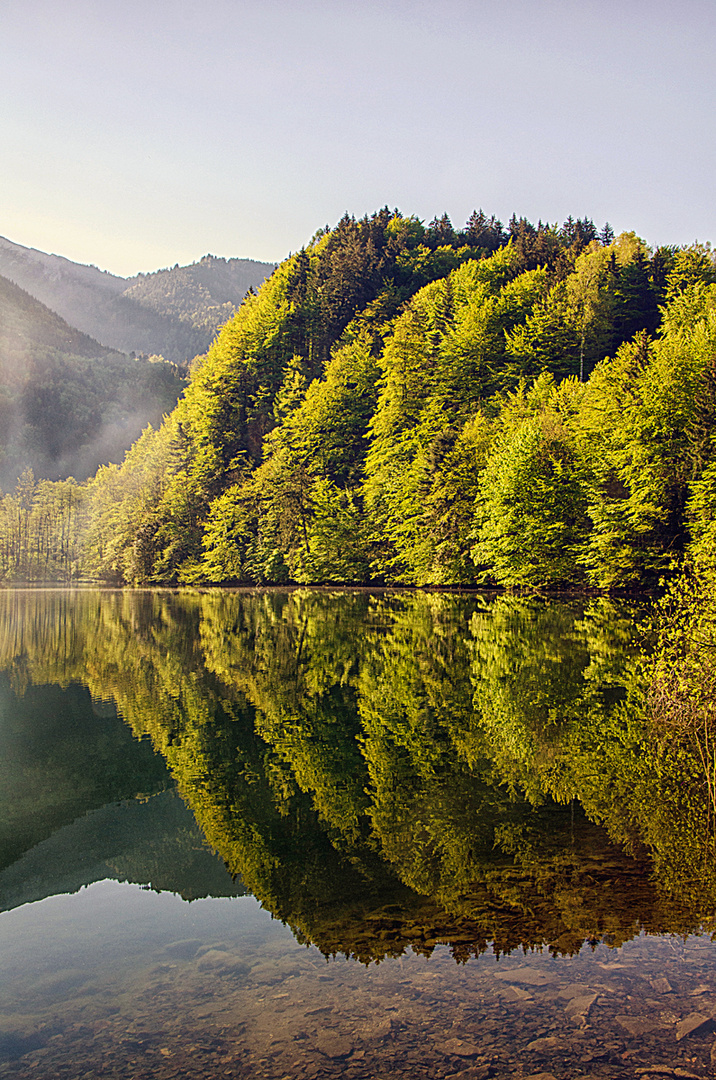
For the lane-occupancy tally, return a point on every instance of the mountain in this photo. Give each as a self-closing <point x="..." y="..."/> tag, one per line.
<point x="174" y="312"/>
<point x="424" y="405"/>
<point x="531" y="407"/>
<point x="29" y="329"/>
<point x="203" y="295"/>
<point x="67" y="403"/>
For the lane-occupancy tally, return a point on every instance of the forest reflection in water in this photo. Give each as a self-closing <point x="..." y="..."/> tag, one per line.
<point x="461" y="775"/>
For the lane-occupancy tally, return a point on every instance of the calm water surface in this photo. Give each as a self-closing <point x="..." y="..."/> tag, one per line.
<point x="344" y="834"/>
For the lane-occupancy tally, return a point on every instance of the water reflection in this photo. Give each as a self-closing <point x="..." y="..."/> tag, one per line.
<point x="148" y="841"/>
<point x="380" y="770"/>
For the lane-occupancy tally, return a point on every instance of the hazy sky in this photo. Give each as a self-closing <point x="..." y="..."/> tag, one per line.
<point x="135" y="135"/>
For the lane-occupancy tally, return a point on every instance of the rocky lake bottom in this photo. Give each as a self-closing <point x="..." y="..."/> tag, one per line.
<point x="120" y="982"/>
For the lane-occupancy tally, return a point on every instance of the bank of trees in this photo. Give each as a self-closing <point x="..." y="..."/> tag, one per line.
<point x="527" y="406"/>
<point x="42" y="528"/>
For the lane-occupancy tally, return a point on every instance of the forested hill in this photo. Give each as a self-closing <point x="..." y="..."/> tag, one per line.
<point x="68" y="404"/>
<point x="173" y="313"/>
<point x="528" y="406"/>
<point x="203" y="295"/>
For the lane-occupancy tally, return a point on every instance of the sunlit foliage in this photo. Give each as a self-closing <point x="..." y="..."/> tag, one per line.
<point x="529" y="406"/>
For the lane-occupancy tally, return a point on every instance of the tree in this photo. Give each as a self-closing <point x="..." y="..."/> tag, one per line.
<point x="532" y="507"/>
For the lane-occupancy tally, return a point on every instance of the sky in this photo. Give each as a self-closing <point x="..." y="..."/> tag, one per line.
<point x="136" y="134"/>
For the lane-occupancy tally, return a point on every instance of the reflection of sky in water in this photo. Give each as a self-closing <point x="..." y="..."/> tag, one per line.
<point x="120" y="981"/>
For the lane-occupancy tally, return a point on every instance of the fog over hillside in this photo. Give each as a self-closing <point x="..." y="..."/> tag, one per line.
<point x="67" y="403"/>
<point x="172" y="312"/>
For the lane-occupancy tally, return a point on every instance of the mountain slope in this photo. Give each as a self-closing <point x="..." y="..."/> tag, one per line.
<point x="204" y="294"/>
<point x="392" y="407"/>
<point x="174" y="313"/>
<point x="28" y="329"/>
<point x="68" y="404"/>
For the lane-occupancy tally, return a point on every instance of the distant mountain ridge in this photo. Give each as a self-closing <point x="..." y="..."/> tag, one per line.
<point x="172" y="312"/>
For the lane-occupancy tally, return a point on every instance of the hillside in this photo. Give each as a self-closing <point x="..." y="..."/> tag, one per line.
<point x="67" y="403"/>
<point x="203" y="295"/>
<point x="174" y="313"/>
<point x="29" y="329"/>
<point x="524" y="406"/>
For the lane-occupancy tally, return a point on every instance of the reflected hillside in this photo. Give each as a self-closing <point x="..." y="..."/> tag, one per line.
<point x="148" y="841"/>
<point x="385" y="770"/>
<point x="61" y="756"/>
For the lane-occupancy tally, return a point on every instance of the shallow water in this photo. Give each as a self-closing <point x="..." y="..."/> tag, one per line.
<point x="118" y="981"/>
<point x="381" y="773"/>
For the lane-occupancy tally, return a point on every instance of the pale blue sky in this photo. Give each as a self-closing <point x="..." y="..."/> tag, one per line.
<point x="140" y="133"/>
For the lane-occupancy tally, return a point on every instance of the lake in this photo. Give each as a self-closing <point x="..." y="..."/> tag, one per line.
<point x="345" y="833"/>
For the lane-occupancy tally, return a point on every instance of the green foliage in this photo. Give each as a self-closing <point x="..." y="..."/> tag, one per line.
<point x="298" y="512"/>
<point x="608" y="297"/>
<point x="42" y="527"/>
<point x="531" y="520"/>
<point x="438" y="366"/>
<point x="688" y="267"/>
<point x="648" y="417"/>
<point x="431" y="406"/>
